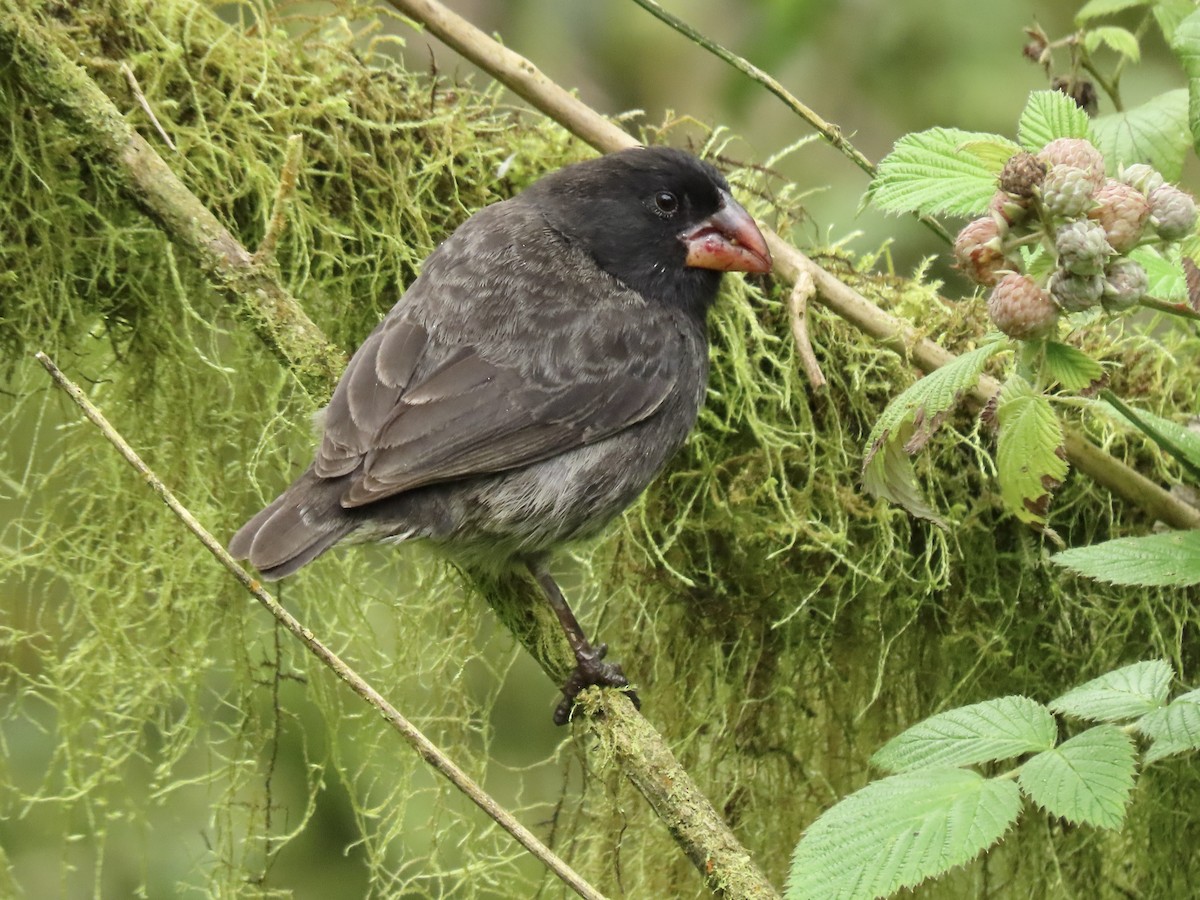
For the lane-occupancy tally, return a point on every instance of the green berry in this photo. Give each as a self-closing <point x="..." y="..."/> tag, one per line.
<point x="1172" y="212"/>
<point x="1125" y="283"/>
<point x="1082" y="247"/>
<point x="1141" y="177"/>
<point x="1067" y="192"/>
<point x="1021" y="309"/>
<point x="1075" y="293"/>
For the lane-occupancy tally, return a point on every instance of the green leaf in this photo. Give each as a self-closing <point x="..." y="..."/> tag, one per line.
<point x="1119" y="40"/>
<point x="1097" y="8"/>
<point x="1125" y="693"/>
<point x="899" y="831"/>
<point x="1173" y="729"/>
<point x="1155" y="132"/>
<point x="1153" y="560"/>
<point x="993" y="152"/>
<point x="1170" y="13"/>
<point x="928" y="172"/>
<point x="1164" y="274"/>
<point x="1185" y="43"/>
<point x="1030" y="457"/>
<point x="910" y="420"/>
<point x="1084" y="780"/>
<point x="1049" y="115"/>
<point x="1072" y="368"/>
<point x="979" y="733"/>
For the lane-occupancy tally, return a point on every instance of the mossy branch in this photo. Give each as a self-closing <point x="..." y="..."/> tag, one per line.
<point x="284" y="327"/>
<point x="148" y="181"/>
<point x="429" y="751"/>
<point x="523" y="78"/>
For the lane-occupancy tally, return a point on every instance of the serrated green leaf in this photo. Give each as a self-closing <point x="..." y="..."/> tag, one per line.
<point x="1084" y="780"/>
<point x="1185" y="43"/>
<point x="993" y="152"/>
<point x="1153" y="560"/>
<point x="1049" y="115"/>
<point x="910" y="420"/>
<point x="1122" y="694"/>
<point x="1072" y="368"/>
<point x="979" y="733"/>
<point x="1155" y="133"/>
<point x="1165" y="277"/>
<point x="1030" y="458"/>
<point x="927" y="172"/>
<point x="899" y="831"/>
<point x="1094" y="9"/>
<point x="1173" y="729"/>
<point x="1119" y="40"/>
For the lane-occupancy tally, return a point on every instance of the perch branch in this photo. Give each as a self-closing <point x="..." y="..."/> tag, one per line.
<point x="275" y="317"/>
<point x="149" y="182"/>
<point x="426" y="748"/>
<point x="523" y="78"/>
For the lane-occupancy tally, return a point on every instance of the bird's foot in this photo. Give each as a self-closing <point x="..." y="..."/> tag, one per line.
<point x="590" y="669"/>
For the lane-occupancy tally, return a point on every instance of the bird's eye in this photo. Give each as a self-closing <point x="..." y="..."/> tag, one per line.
<point x="666" y="202"/>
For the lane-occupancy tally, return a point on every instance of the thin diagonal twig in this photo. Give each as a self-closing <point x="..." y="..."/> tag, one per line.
<point x="830" y="131"/>
<point x="425" y="747"/>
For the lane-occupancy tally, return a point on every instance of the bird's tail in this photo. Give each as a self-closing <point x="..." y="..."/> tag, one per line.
<point x="297" y="527"/>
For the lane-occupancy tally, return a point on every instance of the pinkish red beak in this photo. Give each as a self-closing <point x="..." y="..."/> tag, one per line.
<point x="727" y="241"/>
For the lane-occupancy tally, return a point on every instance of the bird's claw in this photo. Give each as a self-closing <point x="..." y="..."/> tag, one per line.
<point x="591" y="670"/>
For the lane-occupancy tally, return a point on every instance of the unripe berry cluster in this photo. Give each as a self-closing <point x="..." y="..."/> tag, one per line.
<point x="1087" y="221"/>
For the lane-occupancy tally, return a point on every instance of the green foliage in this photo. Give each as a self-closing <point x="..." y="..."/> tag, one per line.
<point x="1030" y="459"/>
<point x="1125" y="693"/>
<point x="1070" y="367"/>
<point x="911" y="420"/>
<point x="1170" y="559"/>
<point x="979" y="733"/>
<point x="935" y="814"/>
<point x="1048" y="115"/>
<point x="1085" y="780"/>
<point x="896" y="832"/>
<point x="929" y="173"/>
<point x="1174" y="728"/>
<point x="1155" y="133"/>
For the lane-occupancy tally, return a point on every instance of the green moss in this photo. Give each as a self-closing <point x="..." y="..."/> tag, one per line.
<point x="779" y="625"/>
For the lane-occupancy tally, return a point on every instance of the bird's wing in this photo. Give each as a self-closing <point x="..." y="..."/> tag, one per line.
<point x="412" y="410"/>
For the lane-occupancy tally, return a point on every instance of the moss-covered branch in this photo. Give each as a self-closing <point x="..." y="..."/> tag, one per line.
<point x="524" y="79"/>
<point x="149" y="182"/>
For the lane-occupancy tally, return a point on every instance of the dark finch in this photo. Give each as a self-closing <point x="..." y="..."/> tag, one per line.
<point x="527" y="387"/>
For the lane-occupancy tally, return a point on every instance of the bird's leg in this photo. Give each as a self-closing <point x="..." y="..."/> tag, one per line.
<point x="590" y="667"/>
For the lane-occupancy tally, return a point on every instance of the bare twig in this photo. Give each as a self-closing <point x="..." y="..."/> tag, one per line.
<point x="798" y="307"/>
<point x="426" y="748"/>
<point x="522" y="77"/>
<point x="145" y="105"/>
<point x="832" y="133"/>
